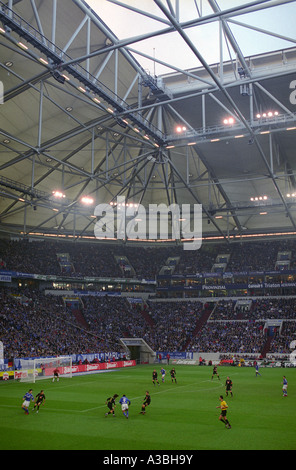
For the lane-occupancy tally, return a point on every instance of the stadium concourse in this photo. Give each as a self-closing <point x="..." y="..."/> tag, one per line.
<point x="46" y="311"/>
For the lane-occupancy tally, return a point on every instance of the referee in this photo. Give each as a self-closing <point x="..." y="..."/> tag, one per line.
<point x="223" y="407"/>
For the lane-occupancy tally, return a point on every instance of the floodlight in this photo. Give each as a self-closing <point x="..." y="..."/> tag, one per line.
<point x="229" y="120"/>
<point x="58" y="194"/>
<point x="87" y="200"/>
<point x="181" y="129"/>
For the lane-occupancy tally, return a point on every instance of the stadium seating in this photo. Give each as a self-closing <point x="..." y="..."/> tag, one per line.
<point x="32" y="323"/>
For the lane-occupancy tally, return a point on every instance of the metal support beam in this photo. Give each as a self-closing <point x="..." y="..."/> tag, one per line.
<point x="230" y="100"/>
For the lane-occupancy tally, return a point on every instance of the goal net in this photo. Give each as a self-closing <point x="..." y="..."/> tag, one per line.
<point x="45" y="367"/>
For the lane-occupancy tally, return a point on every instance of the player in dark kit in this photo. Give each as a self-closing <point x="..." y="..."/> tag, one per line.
<point x="228" y="386"/>
<point x="154" y="377"/>
<point x="110" y="402"/>
<point x="215" y="372"/>
<point x="146" y="402"/>
<point x="173" y="375"/>
<point x="39" y="400"/>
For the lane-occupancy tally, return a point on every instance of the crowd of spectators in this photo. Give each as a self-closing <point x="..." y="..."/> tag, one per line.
<point x="99" y="259"/>
<point x="243" y="328"/>
<point x="225" y="310"/>
<point x="257" y="309"/>
<point x="174" y="324"/>
<point x="112" y="318"/>
<point x="33" y="258"/>
<point x="34" y="324"/>
<point x="281" y="343"/>
<point x="266" y="308"/>
<point x="164" y="326"/>
<point x="230" y="336"/>
<point x="254" y="256"/>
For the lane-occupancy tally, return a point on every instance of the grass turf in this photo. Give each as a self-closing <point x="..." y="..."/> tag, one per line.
<point x="181" y="416"/>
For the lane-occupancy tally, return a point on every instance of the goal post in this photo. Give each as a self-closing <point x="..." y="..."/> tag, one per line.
<point x="44" y="367"/>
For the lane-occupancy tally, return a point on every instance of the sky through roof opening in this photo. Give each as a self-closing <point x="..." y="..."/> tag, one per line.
<point x="171" y="49"/>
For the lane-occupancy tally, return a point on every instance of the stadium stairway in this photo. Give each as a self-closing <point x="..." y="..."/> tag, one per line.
<point x="266" y="346"/>
<point x="80" y="318"/>
<point x="199" y="324"/>
<point x="149" y="320"/>
<point x="240" y="316"/>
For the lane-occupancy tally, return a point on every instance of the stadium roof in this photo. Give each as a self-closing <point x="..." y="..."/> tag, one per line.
<point x="81" y="115"/>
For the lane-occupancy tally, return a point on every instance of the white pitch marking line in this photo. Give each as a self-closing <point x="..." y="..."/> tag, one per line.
<point x="160" y="392"/>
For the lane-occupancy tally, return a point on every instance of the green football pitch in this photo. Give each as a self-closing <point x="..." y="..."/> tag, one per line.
<point x="181" y="416"/>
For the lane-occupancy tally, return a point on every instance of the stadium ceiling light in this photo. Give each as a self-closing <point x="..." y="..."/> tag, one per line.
<point x="267" y="114"/>
<point x="88" y="201"/>
<point x="58" y="194"/>
<point x="258" y="198"/>
<point x="229" y="121"/>
<point x="180" y="129"/>
<point x="124" y="204"/>
<point x="23" y="46"/>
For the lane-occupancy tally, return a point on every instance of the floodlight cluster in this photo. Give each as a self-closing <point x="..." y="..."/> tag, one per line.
<point x="180" y="129"/>
<point x="229" y="121"/>
<point x="268" y="114"/>
<point x="58" y="194"/>
<point x="259" y="198"/>
<point x="87" y="200"/>
<point x="124" y="204"/>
